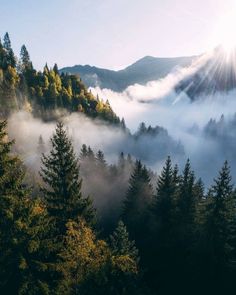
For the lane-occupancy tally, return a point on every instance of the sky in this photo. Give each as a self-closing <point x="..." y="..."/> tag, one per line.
<point x="111" y="33"/>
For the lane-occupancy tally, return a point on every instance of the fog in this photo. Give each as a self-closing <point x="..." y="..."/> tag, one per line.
<point x="185" y="120"/>
<point x="106" y="188"/>
<point x="156" y="103"/>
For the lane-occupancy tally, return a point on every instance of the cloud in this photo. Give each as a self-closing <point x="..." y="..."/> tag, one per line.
<point x="106" y="192"/>
<point x="157" y="103"/>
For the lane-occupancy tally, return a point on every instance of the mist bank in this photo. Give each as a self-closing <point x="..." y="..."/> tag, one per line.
<point x="151" y="144"/>
<point x="107" y="186"/>
<point x="157" y="103"/>
<point x="180" y="130"/>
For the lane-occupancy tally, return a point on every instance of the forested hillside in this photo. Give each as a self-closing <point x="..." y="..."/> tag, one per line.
<point x="44" y="93"/>
<point x="75" y="222"/>
<point x="163" y="235"/>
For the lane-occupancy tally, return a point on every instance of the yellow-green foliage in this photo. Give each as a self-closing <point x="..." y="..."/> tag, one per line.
<point x="88" y="259"/>
<point x="47" y="90"/>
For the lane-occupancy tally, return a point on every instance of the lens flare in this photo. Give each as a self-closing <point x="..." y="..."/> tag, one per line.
<point x="226" y="32"/>
<point x="228" y="35"/>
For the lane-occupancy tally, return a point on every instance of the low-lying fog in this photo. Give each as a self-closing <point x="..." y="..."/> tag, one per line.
<point x="155" y="103"/>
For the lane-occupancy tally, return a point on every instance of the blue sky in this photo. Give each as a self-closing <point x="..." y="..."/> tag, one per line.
<point x="110" y="33"/>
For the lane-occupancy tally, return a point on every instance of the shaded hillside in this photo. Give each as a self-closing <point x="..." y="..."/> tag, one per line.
<point x="144" y="70"/>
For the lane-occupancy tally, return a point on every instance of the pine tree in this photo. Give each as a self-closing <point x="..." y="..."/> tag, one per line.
<point x="83" y="152"/>
<point x="186" y="229"/>
<point x="25" y="59"/>
<point x="121" y="244"/>
<point x="199" y="190"/>
<point x="91" y="154"/>
<point x="55" y="69"/>
<point x="124" y="277"/>
<point x="7" y="42"/>
<point x="62" y="190"/>
<point x="137" y="201"/>
<point x="101" y="162"/>
<point x="161" y="251"/>
<point x="23" y="223"/>
<point x="186" y="203"/>
<point x="217" y="227"/>
<point x="10" y="57"/>
<point x="176" y="177"/>
<point x="46" y="71"/>
<point x="142" y="128"/>
<point x="165" y="196"/>
<point x="2" y="55"/>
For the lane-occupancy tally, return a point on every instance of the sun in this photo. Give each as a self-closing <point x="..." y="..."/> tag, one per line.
<point x="227" y="32"/>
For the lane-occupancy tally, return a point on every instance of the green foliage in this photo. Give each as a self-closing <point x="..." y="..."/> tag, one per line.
<point x="164" y="199"/>
<point x="137" y="202"/>
<point x="22" y="226"/>
<point x="46" y="91"/>
<point x="25" y="62"/>
<point x="62" y="190"/>
<point x="49" y="245"/>
<point x="220" y="212"/>
<point x="9" y="59"/>
<point x="121" y="244"/>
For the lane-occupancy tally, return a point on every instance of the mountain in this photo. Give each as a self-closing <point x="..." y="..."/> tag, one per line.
<point x="142" y="71"/>
<point x="217" y="74"/>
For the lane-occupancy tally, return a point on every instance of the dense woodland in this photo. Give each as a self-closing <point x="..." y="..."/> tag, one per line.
<point x="171" y="237"/>
<point x="140" y="233"/>
<point x="44" y="93"/>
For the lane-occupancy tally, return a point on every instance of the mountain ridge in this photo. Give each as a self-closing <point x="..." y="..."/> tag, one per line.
<point x="142" y="71"/>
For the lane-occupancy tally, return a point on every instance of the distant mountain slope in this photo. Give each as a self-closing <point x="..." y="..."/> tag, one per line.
<point x="146" y="69"/>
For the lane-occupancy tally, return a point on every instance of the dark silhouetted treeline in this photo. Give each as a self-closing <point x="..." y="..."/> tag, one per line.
<point x="168" y="236"/>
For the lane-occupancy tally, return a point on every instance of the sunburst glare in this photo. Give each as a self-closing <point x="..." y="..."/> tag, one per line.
<point x="226" y="35"/>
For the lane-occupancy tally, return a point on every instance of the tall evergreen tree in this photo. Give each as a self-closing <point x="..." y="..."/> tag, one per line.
<point x="121" y="244"/>
<point x="62" y="190"/>
<point x="161" y="251"/>
<point x="83" y="152"/>
<point x="10" y="57"/>
<point x="23" y="223"/>
<point x="186" y="236"/>
<point x="137" y="201"/>
<point x="217" y="228"/>
<point x="164" y="200"/>
<point x="91" y="155"/>
<point x="25" y="59"/>
<point x="55" y="69"/>
<point x="101" y="162"/>
<point x="186" y="204"/>
<point x="2" y="55"/>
